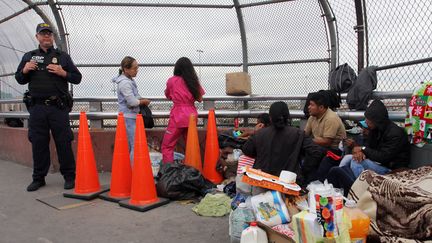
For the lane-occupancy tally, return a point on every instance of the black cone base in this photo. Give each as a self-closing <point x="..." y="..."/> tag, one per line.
<point x="87" y="196"/>
<point x="142" y="208"/>
<point x="107" y="197"/>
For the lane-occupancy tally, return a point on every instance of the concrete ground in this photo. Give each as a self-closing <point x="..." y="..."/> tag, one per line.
<point x="24" y="219"/>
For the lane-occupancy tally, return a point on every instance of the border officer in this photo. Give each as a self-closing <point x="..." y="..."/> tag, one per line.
<point x="47" y="72"/>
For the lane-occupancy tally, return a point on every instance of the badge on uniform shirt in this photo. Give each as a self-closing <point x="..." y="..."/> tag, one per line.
<point x="54" y="60"/>
<point x="38" y="59"/>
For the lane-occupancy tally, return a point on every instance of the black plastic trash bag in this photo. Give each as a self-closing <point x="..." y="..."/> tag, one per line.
<point x="180" y="182"/>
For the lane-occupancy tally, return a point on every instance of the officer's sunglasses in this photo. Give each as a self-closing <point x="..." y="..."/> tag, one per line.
<point x="45" y="33"/>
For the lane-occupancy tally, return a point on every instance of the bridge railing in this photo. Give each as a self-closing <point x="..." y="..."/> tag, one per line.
<point x="97" y="114"/>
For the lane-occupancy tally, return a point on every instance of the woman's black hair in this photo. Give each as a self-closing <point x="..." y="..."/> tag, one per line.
<point x="264" y="118"/>
<point x="126" y="63"/>
<point x="279" y="114"/>
<point x="185" y="69"/>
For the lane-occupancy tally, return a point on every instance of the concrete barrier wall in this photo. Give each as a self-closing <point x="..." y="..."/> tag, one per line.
<point x="15" y="146"/>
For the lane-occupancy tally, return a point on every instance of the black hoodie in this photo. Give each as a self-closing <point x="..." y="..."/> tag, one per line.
<point x="388" y="143"/>
<point x="281" y="147"/>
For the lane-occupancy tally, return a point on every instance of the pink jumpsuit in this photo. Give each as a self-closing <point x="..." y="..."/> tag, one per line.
<point x="184" y="106"/>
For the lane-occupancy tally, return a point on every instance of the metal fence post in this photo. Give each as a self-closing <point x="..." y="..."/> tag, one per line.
<point x="95" y="106"/>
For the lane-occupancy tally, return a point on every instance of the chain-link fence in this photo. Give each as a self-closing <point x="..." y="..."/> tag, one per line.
<point x="402" y="34"/>
<point x="396" y="32"/>
<point x="287" y="42"/>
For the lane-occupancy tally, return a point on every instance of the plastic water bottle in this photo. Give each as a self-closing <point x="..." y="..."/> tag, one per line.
<point x="156" y="160"/>
<point x="359" y="221"/>
<point x="239" y="220"/>
<point x="253" y="234"/>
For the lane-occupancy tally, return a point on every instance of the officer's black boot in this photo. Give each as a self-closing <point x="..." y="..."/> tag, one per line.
<point x="69" y="184"/>
<point x="35" y="185"/>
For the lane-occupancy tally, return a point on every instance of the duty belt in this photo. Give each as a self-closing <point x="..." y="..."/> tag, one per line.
<point x="52" y="100"/>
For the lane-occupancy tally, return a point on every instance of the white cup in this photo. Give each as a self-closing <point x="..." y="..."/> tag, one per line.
<point x="287" y="176"/>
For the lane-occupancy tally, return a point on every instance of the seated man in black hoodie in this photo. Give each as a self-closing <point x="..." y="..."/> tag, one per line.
<point x="281" y="146"/>
<point x="388" y="149"/>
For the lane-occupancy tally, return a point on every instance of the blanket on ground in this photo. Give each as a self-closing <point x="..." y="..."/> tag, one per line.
<point x="399" y="204"/>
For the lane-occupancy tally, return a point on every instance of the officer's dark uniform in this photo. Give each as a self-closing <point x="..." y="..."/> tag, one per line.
<point x="49" y="111"/>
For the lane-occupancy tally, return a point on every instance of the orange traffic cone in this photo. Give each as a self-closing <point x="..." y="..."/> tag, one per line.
<point x="193" y="153"/>
<point x="121" y="175"/>
<point x="211" y="155"/>
<point x="143" y="193"/>
<point x="87" y="185"/>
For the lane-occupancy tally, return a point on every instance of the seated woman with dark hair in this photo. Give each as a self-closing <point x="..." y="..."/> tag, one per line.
<point x="228" y="165"/>
<point x="263" y="120"/>
<point x="282" y="147"/>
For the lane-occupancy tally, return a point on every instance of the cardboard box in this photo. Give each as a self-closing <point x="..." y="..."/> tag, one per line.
<point x="261" y="179"/>
<point x="274" y="236"/>
<point x="238" y="84"/>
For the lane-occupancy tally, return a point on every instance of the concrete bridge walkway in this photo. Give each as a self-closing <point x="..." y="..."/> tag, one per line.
<point x="25" y="219"/>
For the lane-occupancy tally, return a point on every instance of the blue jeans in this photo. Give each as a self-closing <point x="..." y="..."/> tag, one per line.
<point x="346" y="160"/>
<point x="367" y="164"/>
<point x="130" y="130"/>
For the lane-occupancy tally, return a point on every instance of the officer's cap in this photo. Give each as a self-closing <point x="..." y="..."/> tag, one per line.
<point x="43" y="26"/>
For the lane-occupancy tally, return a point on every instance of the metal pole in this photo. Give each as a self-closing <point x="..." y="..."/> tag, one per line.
<point x="242" y="35"/>
<point x="365" y="29"/>
<point x="244" y="46"/>
<point x="327" y="60"/>
<point x="360" y="35"/>
<point x="263" y="3"/>
<point x="61" y="30"/>
<point x="62" y="45"/>
<point x="138" y="4"/>
<point x="403" y="64"/>
<point x="331" y="25"/>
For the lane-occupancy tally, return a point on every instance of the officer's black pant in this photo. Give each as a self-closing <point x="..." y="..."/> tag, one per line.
<point x="44" y="118"/>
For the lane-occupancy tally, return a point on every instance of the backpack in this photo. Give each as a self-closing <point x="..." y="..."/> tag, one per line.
<point x="147" y="116"/>
<point x="333" y="100"/>
<point x="342" y="78"/>
<point x="360" y="94"/>
<point x="14" y="122"/>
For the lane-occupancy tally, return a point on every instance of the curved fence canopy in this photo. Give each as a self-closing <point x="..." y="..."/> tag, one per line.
<point x="288" y="47"/>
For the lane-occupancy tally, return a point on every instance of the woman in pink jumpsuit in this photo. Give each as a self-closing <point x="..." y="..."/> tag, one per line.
<point x="183" y="89"/>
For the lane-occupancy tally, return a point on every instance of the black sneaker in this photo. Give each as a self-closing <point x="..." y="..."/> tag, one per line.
<point x="69" y="184"/>
<point x="35" y="185"/>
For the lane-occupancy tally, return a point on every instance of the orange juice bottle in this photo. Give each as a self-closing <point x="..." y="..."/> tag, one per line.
<point x="359" y="221"/>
